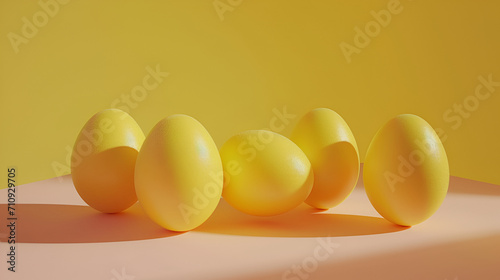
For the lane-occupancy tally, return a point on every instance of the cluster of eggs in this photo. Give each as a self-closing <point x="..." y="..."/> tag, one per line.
<point x="178" y="175"/>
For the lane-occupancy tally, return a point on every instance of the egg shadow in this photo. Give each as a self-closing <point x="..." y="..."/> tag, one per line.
<point x="56" y="223"/>
<point x="303" y="221"/>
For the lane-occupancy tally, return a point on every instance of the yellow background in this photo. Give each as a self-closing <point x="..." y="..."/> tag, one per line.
<point x="231" y="73"/>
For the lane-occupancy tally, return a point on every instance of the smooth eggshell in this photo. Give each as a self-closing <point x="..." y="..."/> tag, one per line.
<point x="406" y="171"/>
<point x="329" y="144"/>
<point x="265" y="173"/>
<point x="178" y="175"/>
<point x="103" y="161"/>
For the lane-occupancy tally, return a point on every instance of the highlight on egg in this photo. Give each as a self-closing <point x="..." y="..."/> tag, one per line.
<point x="406" y="173"/>
<point x="178" y="174"/>
<point x="265" y="173"/>
<point x="103" y="160"/>
<point x="330" y="146"/>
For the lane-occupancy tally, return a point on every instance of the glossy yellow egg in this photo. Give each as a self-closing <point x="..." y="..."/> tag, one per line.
<point x="103" y="161"/>
<point x="328" y="142"/>
<point x="406" y="171"/>
<point x="178" y="175"/>
<point x="265" y="173"/>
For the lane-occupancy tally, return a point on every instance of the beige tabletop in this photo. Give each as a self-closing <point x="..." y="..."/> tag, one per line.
<point x="59" y="237"/>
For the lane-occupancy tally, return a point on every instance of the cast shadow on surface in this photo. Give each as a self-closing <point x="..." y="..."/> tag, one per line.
<point x="304" y="221"/>
<point x="56" y="223"/>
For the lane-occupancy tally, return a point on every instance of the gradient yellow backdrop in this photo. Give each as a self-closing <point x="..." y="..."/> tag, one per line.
<point x="234" y="63"/>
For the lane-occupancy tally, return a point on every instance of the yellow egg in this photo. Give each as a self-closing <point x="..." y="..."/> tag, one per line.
<point x="265" y="173"/>
<point x="406" y="172"/>
<point x="328" y="142"/>
<point x="103" y="161"/>
<point x="178" y="175"/>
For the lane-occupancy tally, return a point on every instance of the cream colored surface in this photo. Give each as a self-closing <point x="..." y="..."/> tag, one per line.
<point x="60" y="238"/>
